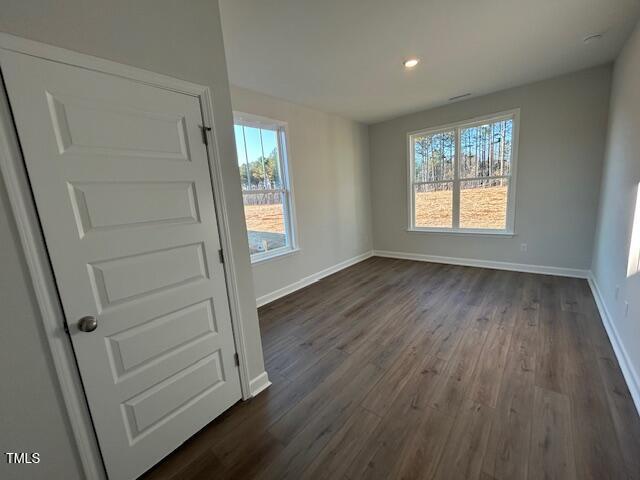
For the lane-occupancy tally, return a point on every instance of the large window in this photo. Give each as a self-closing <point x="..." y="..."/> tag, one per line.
<point x="461" y="177"/>
<point x="262" y="161"/>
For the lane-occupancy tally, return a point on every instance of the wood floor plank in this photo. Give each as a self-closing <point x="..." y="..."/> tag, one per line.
<point x="491" y="363"/>
<point x="424" y="447"/>
<point x="293" y="356"/>
<point x="384" y="393"/>
<point x="507" y="453"/>
<point x="341" y="379"/>
<point x="251" y="456"/>
<point x="551" y="371"/>
<point x="486" y="476"/>
<point x="332" y="462"/>
<point x="551" y="453"/>
<point x="624" y="415"/>
<point x="320" y="427"/>
<point x="397" y="369"/>
<point x="427" y="380"/>
<point x="229" y="433"/>
<point x="380" y="455"/>
<point x="597" y="448"/>
<point x="466" y="446"/>
<point x="460" y="369"/>
<point x="207" y="466"/>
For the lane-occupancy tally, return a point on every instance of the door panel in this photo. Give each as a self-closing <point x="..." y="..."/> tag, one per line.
<point x="93" y="126"/>
<point x="109" y="205"/>
<point x="135" y="347"/>
<point x="121" y="181"/>
<point x="120" y="280"/>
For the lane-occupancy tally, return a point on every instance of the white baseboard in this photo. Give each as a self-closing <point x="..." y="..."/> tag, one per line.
<point x="472" y="262"/>
<point x="303" y="282"/>
<point x="629" y="373"/>
<point x="258" y="384"/>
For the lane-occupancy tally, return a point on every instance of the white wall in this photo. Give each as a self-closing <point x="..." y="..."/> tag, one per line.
<point x="562" y="135"/>
<point x="181" y="39"/>
<point x="329" y="160"/>
<point x="621" y="175"/>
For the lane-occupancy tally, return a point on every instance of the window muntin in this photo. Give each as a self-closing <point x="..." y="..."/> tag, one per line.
<point x="261" y="149"/>
<point x="462" y="177"/>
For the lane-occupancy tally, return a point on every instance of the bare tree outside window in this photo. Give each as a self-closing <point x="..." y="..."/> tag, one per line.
<point x="461" y="176"/>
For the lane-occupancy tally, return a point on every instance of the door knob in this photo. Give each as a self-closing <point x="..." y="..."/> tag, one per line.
<point x="87" y="324"/>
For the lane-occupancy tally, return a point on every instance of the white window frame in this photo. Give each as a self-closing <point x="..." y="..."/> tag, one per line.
<point x="509" y="230"/>
<point x="282" y="130"/>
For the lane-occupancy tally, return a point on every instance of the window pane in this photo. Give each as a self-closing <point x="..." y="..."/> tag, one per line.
<point x="483" y="204"/>
<point x="271" y="159"/>
<point x="254" y="157"/>
<point x="486" y="149"/>
<point x="264" y="213"/>
<point x="433" y="204"/>
<point x="433" y="156"/>
<point x="238" y="130"/>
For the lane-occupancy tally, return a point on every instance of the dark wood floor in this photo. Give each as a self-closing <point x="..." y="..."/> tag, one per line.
<point x="399" y="369"/>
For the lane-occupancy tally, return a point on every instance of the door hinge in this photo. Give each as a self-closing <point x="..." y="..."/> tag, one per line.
<point x="204" y="130"/>
<point x="236" y="359"/>
<point x="221" y="255"/>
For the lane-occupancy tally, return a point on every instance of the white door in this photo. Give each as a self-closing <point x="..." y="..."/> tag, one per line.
<point x="121" y="181"/>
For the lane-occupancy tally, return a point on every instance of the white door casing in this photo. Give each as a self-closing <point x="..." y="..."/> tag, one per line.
<point x="121" y="181"/>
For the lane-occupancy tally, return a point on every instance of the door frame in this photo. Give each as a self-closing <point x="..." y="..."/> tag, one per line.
<point x="25" y="213"/>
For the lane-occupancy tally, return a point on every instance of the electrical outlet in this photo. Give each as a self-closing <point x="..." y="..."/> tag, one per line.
<point x="617" y="291"/>
<point x="523" y="247"/>
<point x="626" y="308"/>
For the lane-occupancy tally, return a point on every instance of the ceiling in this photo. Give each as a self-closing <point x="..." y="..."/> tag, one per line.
<point x="345" y="56"/>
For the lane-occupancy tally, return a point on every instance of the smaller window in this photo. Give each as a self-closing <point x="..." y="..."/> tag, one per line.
<point x="264" y="174"/>
<point x="461" y="176"/>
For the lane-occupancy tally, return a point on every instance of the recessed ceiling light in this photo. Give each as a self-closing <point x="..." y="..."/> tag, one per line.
<point x="592" y="37"/>
<point x="411" y="62"/>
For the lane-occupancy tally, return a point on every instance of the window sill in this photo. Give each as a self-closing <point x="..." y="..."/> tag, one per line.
<point x="276" y="254"/>
<point x="449" y="231"/>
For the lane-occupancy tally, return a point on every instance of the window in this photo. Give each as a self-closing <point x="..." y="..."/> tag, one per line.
<point x="266" y="191"/>
<point x="462" y="176"/>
